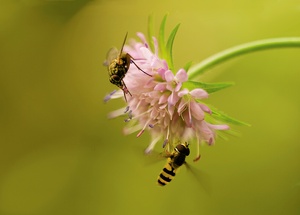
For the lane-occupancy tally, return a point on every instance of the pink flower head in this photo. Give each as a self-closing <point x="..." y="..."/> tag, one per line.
<point x="161" y="104"/>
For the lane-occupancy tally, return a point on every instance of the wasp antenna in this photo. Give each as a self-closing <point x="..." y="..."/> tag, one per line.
<point x="123" y="44"/>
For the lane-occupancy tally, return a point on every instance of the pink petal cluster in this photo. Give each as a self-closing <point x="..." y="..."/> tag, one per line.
<point x="160" y="104"/>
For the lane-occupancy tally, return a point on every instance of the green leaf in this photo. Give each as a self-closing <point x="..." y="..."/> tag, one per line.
<point x="187" y="66"/>
<point x="208" y="87"/>
<point x="169" y="47"/>
<point x="151" y="31"/>
<point x="220" y="116"/>
<point x="224" y="133"/>
<point x="161" y="37"/>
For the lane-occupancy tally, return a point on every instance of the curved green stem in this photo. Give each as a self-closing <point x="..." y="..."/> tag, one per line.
<point x="227" y="54"/>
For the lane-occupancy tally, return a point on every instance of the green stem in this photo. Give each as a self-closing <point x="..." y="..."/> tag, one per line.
<point x="227" y="54"/>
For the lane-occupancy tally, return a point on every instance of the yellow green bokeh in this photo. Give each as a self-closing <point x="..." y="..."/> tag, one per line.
<point x="61" y="155"/>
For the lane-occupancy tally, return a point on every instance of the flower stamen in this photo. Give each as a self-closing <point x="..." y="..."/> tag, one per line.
<point x="166" y="141"/>
<point x="142" y="114"/>
<point x="129" y="116"/>
<point x="126" y="109"/>
<point x="149" y="149"/>
<point x="142" y="131"/>
<point x="198" y="156"/>
<point x="109" y="96"/>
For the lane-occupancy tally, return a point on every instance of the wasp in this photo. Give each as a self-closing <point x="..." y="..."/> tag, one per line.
<point x="175" y="160"/>
<point x="118" y="64"/>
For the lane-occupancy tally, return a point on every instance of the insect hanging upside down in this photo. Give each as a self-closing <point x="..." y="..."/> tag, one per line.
<point x="175" y="160"/>
<point x="118" y="64"/>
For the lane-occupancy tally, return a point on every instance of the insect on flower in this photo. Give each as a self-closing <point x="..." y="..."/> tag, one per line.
<point x="170" y="105"/>
<point x="175" y="160"/>
<point x="118" y="64"/>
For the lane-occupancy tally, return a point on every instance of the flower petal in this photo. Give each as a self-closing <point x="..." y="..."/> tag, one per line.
<point x="219" y="127"/>
<point x="160" y="87"/>
<point x="205" y="108"/>
<point x="163" y="99"/>
<point x="183" y="92"/>
<point x="171" y="110"/>
<point x="187" y="118"/>
<point x="146" y="53"/>
<point x="182" y="106"/>
<point x="181" y="76"/>
<point x="196" y="111"/>
<point x="173" y="99"/>
<point x="178" y="87"/>
<point x="199" y="93"/>
<point x="165" y="65"/>
<point x="161" y="72"/>
<point x="142" y="38"/>
<point x="169" y="76"/>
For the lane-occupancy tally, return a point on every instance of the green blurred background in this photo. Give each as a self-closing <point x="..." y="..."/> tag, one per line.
<point x="61" y="155"/>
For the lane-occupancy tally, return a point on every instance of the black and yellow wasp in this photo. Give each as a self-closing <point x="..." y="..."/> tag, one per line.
<point x="118" y="64"/>
<point x="175" y="160"/>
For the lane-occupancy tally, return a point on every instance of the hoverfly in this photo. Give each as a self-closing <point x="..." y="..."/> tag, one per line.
<point x="175" y="160"/>
<point x="118" y="64"/>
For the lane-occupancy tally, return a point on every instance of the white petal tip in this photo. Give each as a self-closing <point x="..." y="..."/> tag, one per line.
<point x="148" y="151"/>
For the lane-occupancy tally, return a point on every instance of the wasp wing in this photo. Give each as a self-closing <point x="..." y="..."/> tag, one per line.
<point x="112" y="54"/>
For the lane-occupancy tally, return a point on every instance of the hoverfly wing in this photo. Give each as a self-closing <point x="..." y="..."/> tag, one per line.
<point x="111" y="55"/>
<point x="202" y="178"/>
<point x="155" y="157"/>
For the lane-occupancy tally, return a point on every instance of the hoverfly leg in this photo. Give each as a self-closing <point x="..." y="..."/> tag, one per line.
<point x="131" y="61"/>
<point x="125" y="96"/>
<point x="140" y="68"/>
<point x="125" y="90"/>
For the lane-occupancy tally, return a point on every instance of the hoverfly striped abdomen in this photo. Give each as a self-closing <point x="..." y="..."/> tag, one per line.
<point x="175" y="160"/>
<point x="167" y="174"/>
